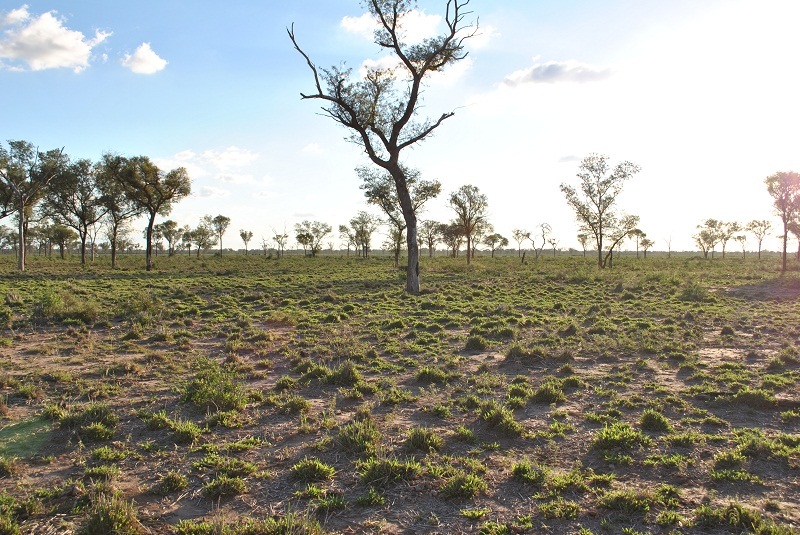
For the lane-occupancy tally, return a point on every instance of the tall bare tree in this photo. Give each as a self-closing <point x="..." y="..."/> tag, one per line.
<point x="381" y="109"/>
<point x="470" y="206"/>
<point x="594" y="205"/>
<point x="25" y="172"/>
<point x="784" y="187"/>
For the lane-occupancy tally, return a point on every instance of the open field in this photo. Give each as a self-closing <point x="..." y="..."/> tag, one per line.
<point x="247" y="395"/>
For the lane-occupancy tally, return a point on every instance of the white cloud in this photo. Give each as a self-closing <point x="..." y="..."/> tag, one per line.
<point x="482" y="38"/>
<point x="144" y="60"/>
<point x="416" y="26"/>
<point x="212" y="192"/>
<point x="230" y="157"/>
<point x="44" y="42"/>
<point x="365" y="25"/>
<point x="312" y="148"/>
<point x="233" y="178"/>
<point x="555" y="72"/>
<point x="16" y="16"/>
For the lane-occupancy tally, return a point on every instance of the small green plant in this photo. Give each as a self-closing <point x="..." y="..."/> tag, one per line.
<point x="111" y="514"/>
<point x="619" y="436"/>
<point x="381" y="472"/>
<point x="359" y="436"/>
<point x="224" y="485"/>
<point x="464" y="485"/>
<point x="529" y="473"/>
<point x="215" y="386"/>
<point x="172" y="481"/>
<point x="420" y="438"/>
<point x="560" y="508"/>
<point x="311" y="469"/>
<point x="654" y="421"/>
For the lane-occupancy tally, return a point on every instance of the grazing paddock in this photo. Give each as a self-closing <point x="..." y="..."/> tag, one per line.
<point x="245" y="394"/>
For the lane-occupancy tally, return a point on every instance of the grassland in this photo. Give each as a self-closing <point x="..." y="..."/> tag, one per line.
<point x="247" y="395"/>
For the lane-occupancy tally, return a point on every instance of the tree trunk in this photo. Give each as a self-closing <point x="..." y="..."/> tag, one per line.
<point x="21" y="256"/>
<point x="469" y="247"/>
<point x="149" y="247"/>
<point x="403" y="195"/>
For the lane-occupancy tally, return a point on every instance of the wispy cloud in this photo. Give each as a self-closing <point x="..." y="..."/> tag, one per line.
<point x="557" y="72"/>
<point x="144" y="60"/>
<point x="416" y="26"/>
<point x="44" y="42"/>
<point x="212" y="192"/>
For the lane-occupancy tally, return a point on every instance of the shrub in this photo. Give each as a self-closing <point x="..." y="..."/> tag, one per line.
<point x="420" y="438"/>
<point x="654" y="421"/>
<point x="527" y="472"/>
<point x="476" y="343"/>
<point x="381" y="472"/>
<point x="549" y="392"/>
<point x="172" y="481"/>
<point x="360" y="436"/>
<point x="213" y="385"/>
<point x="310" y="469"/>
<point x="619" y="436"/>
<point x="112" y="514"/>
<point x="224" y="485"/>
<point x="464" y="485"/>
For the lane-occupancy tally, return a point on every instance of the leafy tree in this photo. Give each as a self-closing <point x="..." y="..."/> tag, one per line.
<point x="62" y="236"/>
<point x="637" y="236"/>
<point x="220" y="225"/>
<point x="310" y="235"/>
<point x="794" y="228"/>
<point x="394" y="242"/>
<point x="72" y="199"/>
<point x="742" y="239"/>
<point x="429" y="231"/>
<point x="554" y="244"/>
<point x="348" y="237"/>
<point x="470" y="206"/>
<point x="726" y="233"/>
<point x="623" y="229"/>
<point x="520" y="235"/>
<point x="25" y="172"/>
<point x="784" y="187"/>
<point x="119" y="208"/>
<point x="363" y="226"/>
<point x="280" y="239"/>
<point x="380" y="110"/>
<point x="495" y="241"/>
<point x="171" y="232"/>
<point x="759" y="229"/>
<point x="583" y="239"/>
<point x="594" y="205"/>
<point x="154" y="192"/>
<point x="646" y="244"/>
<point x="204" y="236"/>
<point x="379" y="189"/>
<point x="708" y="236"/>
<point x="452" y="236"/>
<point x="246" y="236"/>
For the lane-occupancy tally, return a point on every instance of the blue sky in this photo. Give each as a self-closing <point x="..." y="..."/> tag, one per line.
<point x="702" y="94"/>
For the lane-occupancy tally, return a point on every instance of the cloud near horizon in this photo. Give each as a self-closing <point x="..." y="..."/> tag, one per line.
<point x="556" y="72"/>
<point x="144" y="60"/>
<point x="44" y="42"/>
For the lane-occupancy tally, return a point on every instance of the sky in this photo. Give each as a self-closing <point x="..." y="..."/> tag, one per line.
<point x="704" y="95"/>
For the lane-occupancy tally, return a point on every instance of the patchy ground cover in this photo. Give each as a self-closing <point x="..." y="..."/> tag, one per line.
<point x="250" y="395"/>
